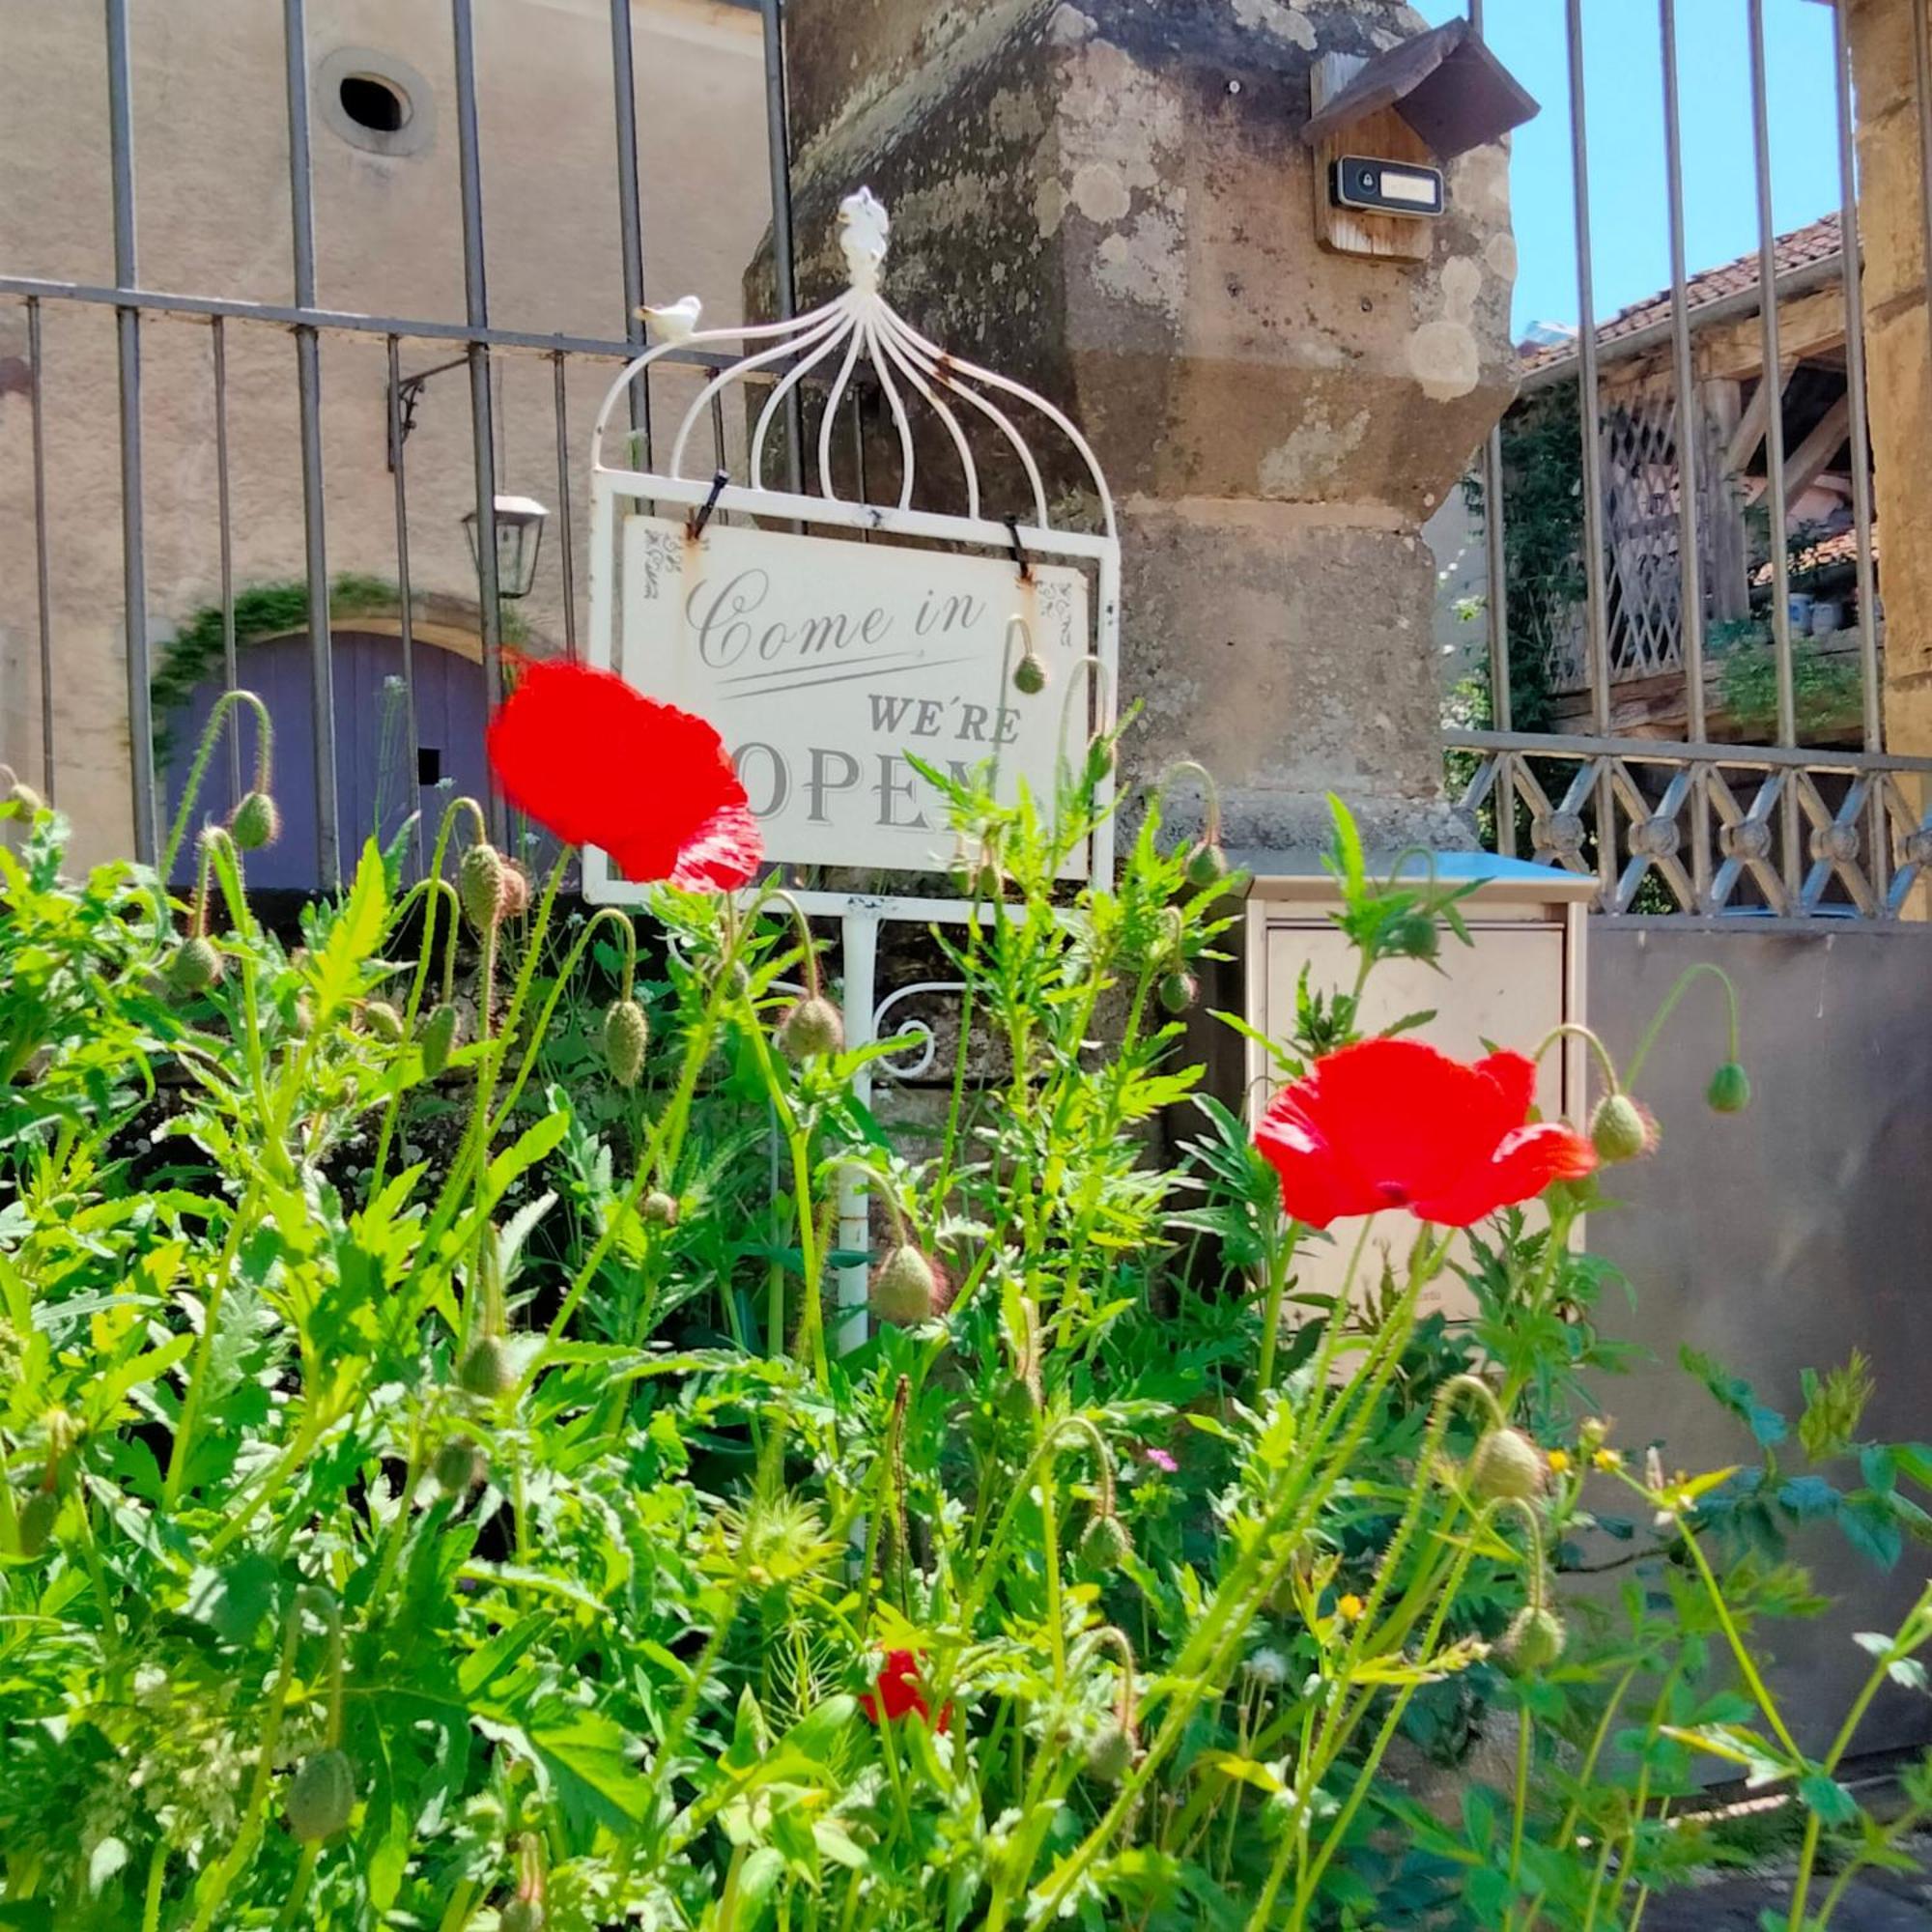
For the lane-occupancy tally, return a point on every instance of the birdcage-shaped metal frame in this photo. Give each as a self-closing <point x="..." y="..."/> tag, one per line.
<point x="856" y="337"/>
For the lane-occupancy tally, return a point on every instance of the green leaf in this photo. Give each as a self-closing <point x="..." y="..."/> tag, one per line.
<point x="1827" y="1799"/>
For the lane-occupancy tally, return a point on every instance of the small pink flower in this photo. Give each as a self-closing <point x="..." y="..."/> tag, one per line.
<point x="1161" y="1460"/>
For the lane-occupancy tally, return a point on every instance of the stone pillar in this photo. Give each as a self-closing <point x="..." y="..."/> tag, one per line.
<point x="1898" y="355"/>
<point x="1112" y="202"/>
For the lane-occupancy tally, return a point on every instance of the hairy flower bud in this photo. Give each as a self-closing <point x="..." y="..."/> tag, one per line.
<point x="660" y="1208"/>
<point x="515" y="898"/>
<point x="1621" y="1130"/>
<point x="255" y="822"/>
<point x="1104" y="1544"/>
<point x="35" y="1520"/>
<point x="195" y="967"/>
<point x="487" y="1370"/>
<point x="383" y="1020"/>
<point x="1413" y="936"/>
<point x="1505" y="1464"/>
<point x="811" y="1028"/>
<point x="907" y="1288"/>
<point x="459" y="1467"/>
<point x="321" y="1796"/>
<point x="1729" y="1091"/>
<point x="1206" y="866"/>
<point x="1179" y="991"/>
<point x="1111" y="1754"/>
<point x="440" y="1035"/>
<point x="480" y="885"/>
<point x="1030" y="676"/>
<point x="1535" y="1640"/>
<point x="23" y="794"/>
<point x="626" y="1035"/>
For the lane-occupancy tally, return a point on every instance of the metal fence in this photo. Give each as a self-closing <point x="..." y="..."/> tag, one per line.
<point x="1711" y="813"/>
<point x="478" y="344"/>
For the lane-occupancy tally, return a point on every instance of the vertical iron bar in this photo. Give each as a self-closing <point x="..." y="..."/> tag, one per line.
<point x="128" y="344"/>
<point x="1496" y="612"/>
<point x="43" y="594"/>
<point x="1852" y="260"/>
<point x="315" y="516"/>
<point x="1688" y="427"/>
<point x="1773" y="374"/>
<point x="630" y="218"/>
<point x="1792" y="867"/>
<point x="1588" y="408"/>
<point x="566" y="534"/>
<point x="405" y="609"/>
<point x="785" y="267"/>
<point x="231" y="668"/>
<point x="476" y="302"/>
<point x="1852" y="257"/>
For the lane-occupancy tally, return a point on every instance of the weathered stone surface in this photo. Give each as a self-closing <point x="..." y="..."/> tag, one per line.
<point x="1898" y="352"/>
<point x="1111" y="201"/>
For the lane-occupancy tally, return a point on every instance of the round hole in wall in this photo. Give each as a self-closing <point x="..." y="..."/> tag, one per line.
<point x="374" y="103"/>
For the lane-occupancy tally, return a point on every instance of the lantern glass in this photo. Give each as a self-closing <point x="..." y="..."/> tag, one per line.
<point x="520" y="528"/>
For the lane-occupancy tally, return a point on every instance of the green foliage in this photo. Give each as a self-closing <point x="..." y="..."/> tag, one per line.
<point x="442" y="1483"/>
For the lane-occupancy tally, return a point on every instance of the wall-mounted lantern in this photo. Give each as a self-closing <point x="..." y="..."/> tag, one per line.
<point x="1384" y="127"/>
<point x="520" y="528"/>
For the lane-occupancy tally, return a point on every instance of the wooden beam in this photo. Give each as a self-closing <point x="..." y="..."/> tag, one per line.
<point x="1755" y="420"/>
<point x="1808" y="325"/>
<point x="1805" y="464"/>
<point x="1721" y="517"/>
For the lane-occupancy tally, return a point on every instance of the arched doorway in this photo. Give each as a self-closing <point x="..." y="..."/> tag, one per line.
<point x="380" y="776"/>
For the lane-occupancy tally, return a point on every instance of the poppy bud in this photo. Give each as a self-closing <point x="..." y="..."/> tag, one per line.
<point x="1111" y="1754"/>
<point x="1206" y="866"/>
<point x="1104" y="1544"/>
<point x="522" y="1914"/>
<point x="36" y="1522"/>
<point x="626" y="1035"/>
<point x="811" y="1028"/>
<point x="1505" y="1464"/>
<point x="1729" y="1091"/>
<point x="660" y="1210"/>
<point x="1030" y="676"/>
<point x="907" y="1288"/>
<point x="438" y="1039"/>
<point x="255" y="822"/>
<point x="1535" y="1640"/>
<point x="515" y="898"/>
<point x="23" y="794"/>
<point x="321" y="1796"/>
<point x="459" y="1467"/>
<point x="383" y="1020"/>
<point x="1621" y="1130"/>
<point x="487" y="1370"/>
<point x="480" y="885"/>
<point x="1412" y="936"/>
<point x="1178" y="991"/>
<point x="195" y="967"/>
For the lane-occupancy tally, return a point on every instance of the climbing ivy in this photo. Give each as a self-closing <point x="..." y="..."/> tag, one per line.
<point x="262" y="611"/>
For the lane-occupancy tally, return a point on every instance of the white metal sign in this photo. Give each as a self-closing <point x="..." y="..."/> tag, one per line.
<point x="824" y="663"/>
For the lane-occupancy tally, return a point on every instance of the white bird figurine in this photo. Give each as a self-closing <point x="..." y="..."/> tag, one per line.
<point x="675" y="322"/>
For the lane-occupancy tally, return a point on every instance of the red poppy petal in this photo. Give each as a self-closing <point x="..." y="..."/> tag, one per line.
<point x="725" y="852"/>
<point x="1407" y="1118"/>
<point x="1526" y="1162"/>
<point x="598" y="763"/>
<point x="1318" y="1185"/>
<point x="1516" y="1076"/>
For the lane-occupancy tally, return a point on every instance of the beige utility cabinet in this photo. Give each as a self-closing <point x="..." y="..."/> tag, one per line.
<point x="1523" y="975"/>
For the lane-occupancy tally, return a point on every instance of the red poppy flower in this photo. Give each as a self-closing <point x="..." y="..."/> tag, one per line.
<point x="1394" y="1124"/>
<point x="898" y="1692"/>
<point x="601" y="764"/>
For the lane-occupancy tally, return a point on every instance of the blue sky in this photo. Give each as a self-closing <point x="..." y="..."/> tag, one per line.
<point x="1624" y="99"/>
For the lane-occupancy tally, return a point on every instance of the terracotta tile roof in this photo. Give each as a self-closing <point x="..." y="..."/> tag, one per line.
<point x="1798" y="249"/>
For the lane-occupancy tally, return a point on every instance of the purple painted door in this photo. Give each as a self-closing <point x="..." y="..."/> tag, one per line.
<point x="381" y="778"/>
